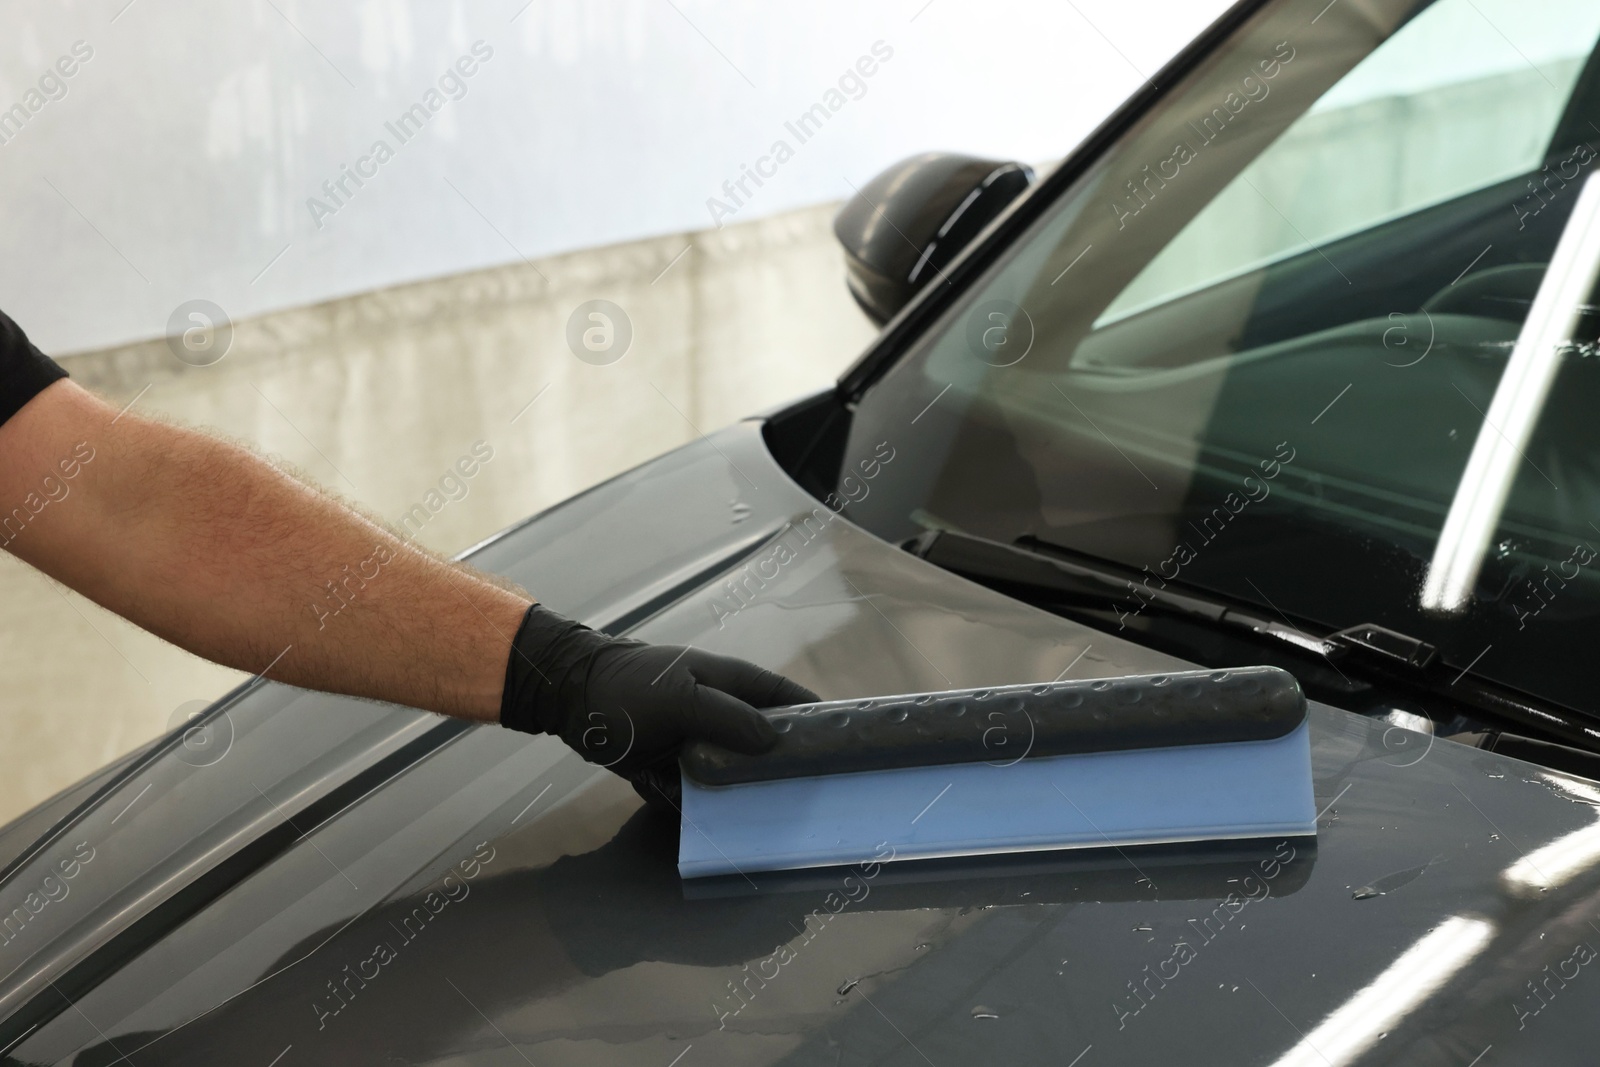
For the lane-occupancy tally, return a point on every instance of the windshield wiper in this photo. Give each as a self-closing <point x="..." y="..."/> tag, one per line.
<point x="1072" y="583"/>
<point x="1098" y="585"/>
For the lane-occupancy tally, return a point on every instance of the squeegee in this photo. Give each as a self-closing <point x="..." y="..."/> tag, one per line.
<point x="1189" y="756"/>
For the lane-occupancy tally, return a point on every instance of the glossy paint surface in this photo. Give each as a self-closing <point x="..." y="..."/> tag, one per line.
<point x="496" y="901"/>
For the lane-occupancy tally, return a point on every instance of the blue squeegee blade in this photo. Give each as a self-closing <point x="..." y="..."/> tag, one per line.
<point x="1143" y="796"/>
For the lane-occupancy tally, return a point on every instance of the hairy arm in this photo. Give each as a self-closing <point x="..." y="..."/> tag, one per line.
<point x="208" y="546"/>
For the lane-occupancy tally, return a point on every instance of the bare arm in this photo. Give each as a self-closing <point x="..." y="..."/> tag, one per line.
<point x="203" y="543"/>
<point x="206" y="545"/>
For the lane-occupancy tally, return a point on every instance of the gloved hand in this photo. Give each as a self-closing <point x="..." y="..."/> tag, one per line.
<point x="629" y="706"/>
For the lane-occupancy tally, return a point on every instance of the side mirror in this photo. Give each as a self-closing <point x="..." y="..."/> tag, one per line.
<point x="910" y="221"/>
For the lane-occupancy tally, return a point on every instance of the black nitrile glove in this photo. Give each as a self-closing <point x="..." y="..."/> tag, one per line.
<point x="629" y="706"/>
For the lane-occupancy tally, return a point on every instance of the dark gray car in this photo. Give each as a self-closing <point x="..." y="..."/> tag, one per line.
<point x="1288" y="364"/>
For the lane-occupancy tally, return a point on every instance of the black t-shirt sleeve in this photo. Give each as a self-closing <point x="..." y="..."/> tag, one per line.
<point x="24" y="370"/>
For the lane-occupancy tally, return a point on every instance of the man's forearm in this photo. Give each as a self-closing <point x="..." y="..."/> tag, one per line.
<point x="208" y="546"/>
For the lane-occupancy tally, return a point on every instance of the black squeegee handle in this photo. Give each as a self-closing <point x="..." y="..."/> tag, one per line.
<point x="1006" y="723"/>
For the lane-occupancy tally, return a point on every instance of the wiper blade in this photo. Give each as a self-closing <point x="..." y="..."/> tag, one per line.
<point x="1371" y="653"/>
<point x="1098" y="585"/>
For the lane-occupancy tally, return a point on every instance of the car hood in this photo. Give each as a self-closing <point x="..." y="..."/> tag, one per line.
<point x="324" y="880"/>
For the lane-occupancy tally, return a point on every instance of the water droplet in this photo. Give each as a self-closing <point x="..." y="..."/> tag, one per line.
<point x="1494" y="837"/>
<point x="1494" y="774"/>
<point x="920" y="947"/>
<point x="1235" y="989"/>
<point x="845" y="987"/>
<point x="981" y="1012"/>
<point x="1143" y="928"/>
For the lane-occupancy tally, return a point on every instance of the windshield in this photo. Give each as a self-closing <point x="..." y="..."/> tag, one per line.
<point x="1314" y="334"/>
